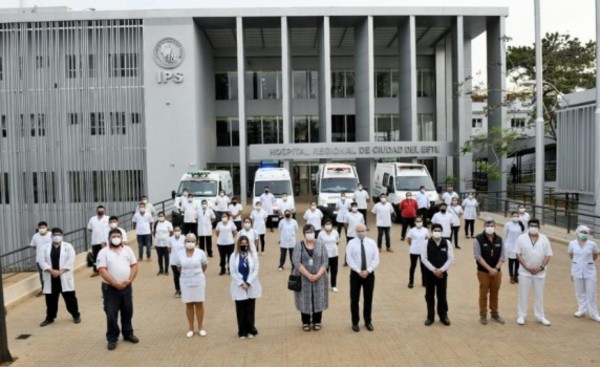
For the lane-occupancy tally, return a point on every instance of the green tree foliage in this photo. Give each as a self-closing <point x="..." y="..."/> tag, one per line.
<point x="498" y="142"/>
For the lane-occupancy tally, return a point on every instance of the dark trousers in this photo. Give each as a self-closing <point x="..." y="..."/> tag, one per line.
<point x="95" y="250"/>
<point x="270" y="222"/>
<point x="368" y="286"/>
<point x="144" y="240"/>
<point x="238" y="225"/>
<point x="423" y="213"/>
<point x="333" y="270"/>
<point x="364" y="214"/>
<point x="340" y="228"/>
<point x="407" y="222"/>
<point x="469" y="227"/>
<point x="190" y="228"/>
<point x="206" y="244"/>
<point x="176" y="274"/>
<point x="314" y="318"/>
<point x="282" y="253"/>
<point x="436" y="287"/>
<point x="381" y="231"/>
<point x="163" y="259"/>
<point x="225" y="252"/>
<point x="244" y="311"/>
<point x="52" y="301"/>
<point x="115" y="302"/>
<point x="454" y="235"/>
<point x="41" y="272"/>
<point x="413" y="265"/>
<point x="262" y="242"/>
<point x="513" y="267"/>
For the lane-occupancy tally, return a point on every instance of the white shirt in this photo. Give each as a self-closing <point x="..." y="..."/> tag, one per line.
<point x="118" y="263"/>
<point x="314" y="218"/>
<point x="455" y="211"/>
<point x="445" y="220"/>
<point x="221" y="203"/>
<point x="97" y="226"/>
<point x="422" y="200"/>
<point x="353" y="254"/>
<point x="330" y="241"/>
<point x="583" y="266"/>
<point x="470" y="205"/>
<point x="361" y="197"/>
<point x="285" y="205"/>
<point x="383" y="214"/>
<point x="163" y="232"/>
<point x="258" y="220"/>
<point x="512" y="231"/>
<point x="190" y="212"/>
<point x="353" y="220"/>
<point x="533" y="255"/>
<point x="225" y="232"/>
<point x="253" y="237"/>
<point x="267" y="201"/>
<point x="524" y="218"/>
<point x="205" y="218"/>
<point x="142" y="223"/>
<point x="176" y="245"/>
<point x="287" y="233"/>
<point x="418" y="238"/>
<point x="236" y="212"/>
<point x="447" y="264"/>
<point x="447" y="197"/>
<point x="39" y="242"/>
<point x="343" y="207"/>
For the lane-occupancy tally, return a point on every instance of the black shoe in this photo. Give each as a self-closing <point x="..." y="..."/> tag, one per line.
<point x="222" y="272"/>
<point x="355" y="328"/>
<point x="369" y="326"/>
<point x="112" y="345"/>
<point x="445" y="320"/>
<point x="428" y="322"/>
<point x="410" y="285"/>
<point x="210" y="255"/>
<point x="159" y="272"/>
<point x="458" y="247"/>
<point x="132" y="339"/>
<point x="402" y="239"/>
<point x="46" y="322"/>
<point x="77" y="320"/>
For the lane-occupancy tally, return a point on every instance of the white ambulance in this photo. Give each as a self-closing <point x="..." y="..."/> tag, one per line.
<point x="279" y="182"/>
<point x="204" y="185"/>
<point x="333" y="179"/>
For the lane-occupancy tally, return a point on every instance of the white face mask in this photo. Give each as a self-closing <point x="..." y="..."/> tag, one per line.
<point x="534" y="230"/>
<point x="161" y="219"/>
<point x="142" y="210"/>
<point x="354" y="210"/>
<point x="521" y="210"/>
<point x="436" y="235"/>
<point x="383" y="200"/>
<point x="515" y="219"/>
<point x="113" y="225"/>
<point x="177" y="234"/>
<point x="43" y="231"/>
<point x="225" y="220"/>
<point x="419" y="224"/>
<point x="190" y="245"/>
<point x="116" y="241"/>
<point x="490" y="230"/>
<point x="309" y="236"/>
<point x="328" y="227"/>
<point x="313" y="207"/>
<point x="360" y="188"/>
<point x="247" y="225"/>
<point x="57" y="239"/>
<point x="204" y="206"/>
<point x="221" y="194"/>
<point x="190" y="200"/>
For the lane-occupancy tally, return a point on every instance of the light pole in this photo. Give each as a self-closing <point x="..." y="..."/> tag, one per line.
<point x="539" y="120"/>
<point x="597" y="124"/>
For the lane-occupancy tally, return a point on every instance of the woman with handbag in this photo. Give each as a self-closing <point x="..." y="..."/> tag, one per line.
<point x="245" y="286"/>
<point x="310" y="261"/>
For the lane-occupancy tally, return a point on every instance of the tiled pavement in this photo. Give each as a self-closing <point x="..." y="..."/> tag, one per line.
<point x="399" y="339"/>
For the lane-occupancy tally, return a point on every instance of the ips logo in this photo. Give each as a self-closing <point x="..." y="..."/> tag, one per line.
<point x="169" y="54"/>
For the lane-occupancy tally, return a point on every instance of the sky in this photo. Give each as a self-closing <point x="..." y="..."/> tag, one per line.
<point x="575" y="17"/>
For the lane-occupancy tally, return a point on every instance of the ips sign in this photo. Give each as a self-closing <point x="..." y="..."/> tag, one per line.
<point x="169" y="54"/>
<point x="164" y="77"/>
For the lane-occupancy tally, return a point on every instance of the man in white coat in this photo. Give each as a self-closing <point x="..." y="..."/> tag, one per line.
<point x="57" y="265"/>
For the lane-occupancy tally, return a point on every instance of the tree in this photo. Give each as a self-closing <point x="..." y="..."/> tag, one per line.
<point x="568" y="66"/>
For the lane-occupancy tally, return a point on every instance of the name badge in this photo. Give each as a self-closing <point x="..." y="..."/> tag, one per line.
<point x="310" y="262"/>
<point x="444" y="250"/>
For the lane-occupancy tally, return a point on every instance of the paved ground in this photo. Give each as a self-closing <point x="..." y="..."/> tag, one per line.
<point x="399" y="339"/>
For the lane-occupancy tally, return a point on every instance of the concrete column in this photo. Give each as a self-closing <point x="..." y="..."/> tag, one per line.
<point x="407" y="69"/>
<point x="442" y="104"/>
<point x="324" y="82"/>
<point x="364" y="83"/>
<point x="286" y="85"/>
<point x="241" y="71"/>
<point x="496" y="63"/>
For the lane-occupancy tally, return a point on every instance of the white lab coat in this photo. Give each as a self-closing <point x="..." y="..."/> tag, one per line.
<point x="67" y="258"/>
<point x="237" y="292"/>
<point x="583" y="265"/>
<point x="205" y="222"/>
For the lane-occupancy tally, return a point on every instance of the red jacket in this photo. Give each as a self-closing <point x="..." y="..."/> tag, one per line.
<point x="408" y="208"/>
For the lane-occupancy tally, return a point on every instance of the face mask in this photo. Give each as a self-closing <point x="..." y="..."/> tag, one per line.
<point x="243" y="248"/>
<point x="145" y="201"/>
<point x="442" y="211"/>
<point x="521" y="210"/>
<point x="43" y="231"/>
<point x="116" y="241"/>
<point x="582" y="236"/>
<point x="328" y="227"/>
<point x="225" y="220"/>
<point x="288" y="215"/>
<point x="313" y="207"/>
<point x="185" y="194"/>
<point x="470" y="196"/>
<point x="515" y="219"/>
<point x="258" y="207"/>
<point x="419" y="224"/>
<point x="354" y="210"/>
<point x="360" y="235"/>
<point x="112" y="225"/>
<point x="490" y="230"/>
<point x="284" y="198"/>
<point x="233" y="202"/>
<point x="534" y="230"/>
<point x="247" y="225"/>
<point x="266" y="191"/>
<point x="423" y="191"/>
<point x="190" y="200"/>
<point x="204" y="206"/>
<point x="57" y="239"/>
<point x="190" y="245"/>
<point x="436" y="235"/>
<point x="409" y="197"/>
<point x="177" y="234"/>
<point x="222" y="194"/>
<point x="343" y="199"/>
<point x="309" y="236"/>
<point x="383" y="200"/>
<point x="100" y="213"/>
<point x="360" y="188"/>
<point x="161" y="219"/>
<point x="142" y="210"/>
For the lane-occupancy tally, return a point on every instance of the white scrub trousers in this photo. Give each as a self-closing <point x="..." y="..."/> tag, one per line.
<point x="525" y="283"/>
<point x="585" y="292"/>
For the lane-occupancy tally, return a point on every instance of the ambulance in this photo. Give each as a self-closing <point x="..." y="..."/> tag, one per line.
<point x="332" y="180"/>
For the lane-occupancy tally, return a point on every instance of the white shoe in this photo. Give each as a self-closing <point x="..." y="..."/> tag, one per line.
<point x="544" y="321"/>
<point x="579" y="314"/>
<point x="520" y="320"/>
<point x="202" y="332"/>
<point x="250" y="336"/>
<point x="280" y="268"/>
<point x="242" y="337"/>
<point x="189" y="334"/>
<point x="334" y="289"/>
<point x="595" y="318"/>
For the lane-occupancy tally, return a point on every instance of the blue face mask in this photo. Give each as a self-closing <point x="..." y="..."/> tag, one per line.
<point x="361" y="235"/>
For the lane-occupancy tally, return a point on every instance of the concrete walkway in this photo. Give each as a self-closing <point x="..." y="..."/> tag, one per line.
<point x="399" y="339"/>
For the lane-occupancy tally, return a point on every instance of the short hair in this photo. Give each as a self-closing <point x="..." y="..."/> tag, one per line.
<point x="114" y="231"/>
<point x="436" y="226"/>
<point x="382" y="195"/>
<point x="203" y="202"/>
<point x="328" y="220"/>
<point x="308" y="227"/>
<point x="224" y="214"/>
<point x="177" y="227"/>
<point x="533" y="221"/>
<point x="161" y="213"/>
<point x="354" y="203"/>
<point x="56" y="230"/>
<point x="422" y="187"/>
<point x="100" y="207"/>
<point x="190" y="236"/>
<point x="113" y="217"/>
<point x="246" y="218"/>
<point x="42" y="223"/>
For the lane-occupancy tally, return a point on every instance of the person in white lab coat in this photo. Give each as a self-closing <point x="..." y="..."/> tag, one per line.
<point x="287" y="237"/>
<point x="343" y="207"/>
<point x="206" y="218"/>
<point x="268" y="202"/>
<point x="448" y="195"/>
<point x="512" y="231"/>
<point x="583" y="253"/>
<point x="445" y="220"/>
<point x="38" y="242"/>
<point x="245" y="286"/>
<point x="470" y="206"/>
<point x="57" y="266"/>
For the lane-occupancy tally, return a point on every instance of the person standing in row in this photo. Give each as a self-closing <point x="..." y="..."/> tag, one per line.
<point x="444" y="219"/>
<point x="287" y="238"/>
<point x="314" y="217"/>
<point x="534" y="252"/>
<point x="97" y="226"/>
<point x="206" y="219"/>
<point x="245" y="287"/>
<point x="456" y="211"/>
<point x="250" y="233"/>
<point x="190" y="215"/>
<point x="331" y="238"/>
<point x="149" y="207"/>
<point x="470" y="206"/>
<point x="259" y="223"/>
<point x="438" y="257"/>
<point x="363" y="258"/>
<point x="423" y="204"/>
<point x="448" y="195"/>
<point x="118" y="267"/>
<point x="59" y="279"/>
<point x="221" y="204"/>
<point x="309" y="260"/>
<point x="38" y="242"/>
<point x="267" y="201"/>
<point x="383" y="213"/>
<point x="163" y="230"/>
<point x="512" y="231"/>
<point x="142" y="223"/>
<point x="285" y="204"/>
<point x="523" y="215"/>
<point x="352" y="220"/>
<point x="113" y="223"/>
<point x="235" y="212"/>
<point x="176" y="245"/>
<point x="361" y="197"/>
<point x="583" y="253"/>
<point x="489" y="254"/>
<point x="408" y="212"/>
<point x="417" y="239"/>
<point x="226" y="233"/>
<point x="342" y="206"/>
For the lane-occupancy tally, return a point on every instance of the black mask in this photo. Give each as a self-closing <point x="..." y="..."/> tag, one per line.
<point x="442" y="210"/>
<point x="288" y="215"/>
<point x="243" y="248"/>
<point x="234" y="202"/>
<point x="100" y="212"/>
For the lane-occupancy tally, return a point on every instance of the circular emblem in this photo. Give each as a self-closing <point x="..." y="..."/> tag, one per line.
<point x="168" y="53"/>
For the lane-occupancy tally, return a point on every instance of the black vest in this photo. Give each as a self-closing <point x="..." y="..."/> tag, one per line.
<point x="490" y="251"/>
<point x="437" y="255"/>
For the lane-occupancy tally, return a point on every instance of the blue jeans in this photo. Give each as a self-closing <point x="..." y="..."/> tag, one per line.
<point x="144" y="240"/>
<point x="116" y="301"/>
<point x="381" y="231"/>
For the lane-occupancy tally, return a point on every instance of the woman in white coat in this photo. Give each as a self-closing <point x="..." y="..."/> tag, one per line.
<point x="584" y="253"/>
<point x="245" y="286"/>
<point x="470" y="205"/>
<point x="56" y="263"/>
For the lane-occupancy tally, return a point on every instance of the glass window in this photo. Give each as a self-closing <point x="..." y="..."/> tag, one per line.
<point x="117" y="123"/>
<point x="300" y="84"/>
<point x="350" y="128"/>
<point x="349" y="84"/>
<point x="122" y="64"/>
<point x="314" y="129"/>
<point x="92" y="66"/>
<point x="3" y="126"/>
<point x="314" y="84"/>
<point x="426" y="127"/>
<point x="395" y="83"/>
<point x="270" y="130"/>
<point x="1" y="69"/>
<point x="223" y="136"/>
<point x="253" y="129"/>
<point x="251" y="85"/>
<point x="4" y="189"/>
<point x="235" y="131"/>
<point x="71" y="65"/>
<point x="338" y="128"/>
<point x="269" y="85"/>
<point x="97" y="126"/>
<point x="233" y="85"/>
<point x="383" y="80"/>
<point x="221" y="86"/>
<point x="301" y="132"/>
<point x="425" y="82"/>
<point x="337" y="84"/>
<point x="387" y="128"/>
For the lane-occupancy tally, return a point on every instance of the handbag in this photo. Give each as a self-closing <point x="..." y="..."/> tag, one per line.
<point x="295" y="281"/>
